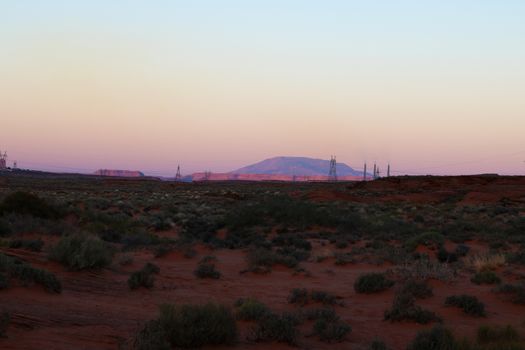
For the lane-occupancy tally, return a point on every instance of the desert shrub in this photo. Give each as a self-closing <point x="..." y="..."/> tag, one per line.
<point x="5" y="318"/>
<point x="344" y="258"/>
<point x="162" y="250"/>
<point x="429" y="239"/>
<point x="264" y="259"/>
<point x="323" y="297"/>
<point x="516" y="292"/>
<point x="485" y="277"/>
<point x="372" y="283"/>
<point x="30" y="204"/>
<point x="325" y="313"/>
<point x="437" y="338"/>
<point x="4" y="282"/>
<point x="82" y="251"/>
<point x="497" y="334"/>
<point x="470" y="304"/>
<point x="517" y="258"/>
<point x="125" y="259"/>
<point x="424" y="269"/>
<point x="144" y="277"/>
<point x="418" y="289"/>
<point x="462" y="250"/>
<point x="5" y="229"/>
<point x="331" y="330"/>
<point x="298" y="296"/>
<point x="189" y="326"/>
<point x="34" y="245"/>
<point x="280" y="328"/>
<point x="250" y="309"/>
<point x="446" y="257"/>
<point x="206" y="268"/>
<point x="377" y="345"/>
<point x="15" y="268"/>
<point x="289" y="240"/>
<point x="405" y="309"/>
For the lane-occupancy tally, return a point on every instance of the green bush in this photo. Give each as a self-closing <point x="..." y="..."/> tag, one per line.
<point x="497" y="334"/>
<point x="206" y="268"/>
<point x="262" y="259"/>
<point x="331" y="330"/>
<point x="377" y="345"/>
<point x="446" y="257"/>
<point x="15" y="268"/>
<point x="470" y="304"/>
<point x="418" y="289"/>
<point x="516" y="292"/>
<point x="298" y="296"/>
<point x="189" y="326"/>
<point x="251" y="309"/>
<point x="144" y="278"/>
<point x="33" y="245"/>
<point x="30" y="204"/>
<point x="5" y="318"/>
<point x="82" y="251"/>
<point x="280" y="328"/>
<point x="437" y="338"/>
<point x="405" y="309"/>
<point x="485" y="277"/>
<point x="372" y="283"/>
<point x="4" y="282"/>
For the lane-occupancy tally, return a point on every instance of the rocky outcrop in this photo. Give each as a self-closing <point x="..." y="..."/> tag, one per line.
<point x="119" y="173"/>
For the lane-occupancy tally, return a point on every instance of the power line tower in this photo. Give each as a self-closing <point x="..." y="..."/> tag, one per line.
<point x="332" y="173"/>
<point x="3" y="160"/>
<point x="15" y="165"/>
<point x="207" y="175"/>
<point x="388" y="170"/>
<point x="374" y="176"/>
<point x="178" y="176"/>
<point x="364" y="173"/>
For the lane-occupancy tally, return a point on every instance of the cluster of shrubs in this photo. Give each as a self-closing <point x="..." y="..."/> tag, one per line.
<point x="29" y="204"/>
<point x="485" y="277"/>
<point x="27" y="274"/>
<point x="34" y="245"/>
<point x="488" y="338"/>
<point x="144" y="277"/>
<point x="515" y="291"/>
<point x="82" y="251"/>
<point x="301" y="296"/>
<point x="372" y="283"/>
<point x="206" y="268"/>
<point x="404" y="307"/>
<point x="262" y="260"/>
<point x="5" y="318"/>
<point x="469" y="304"/>
<point x="188" y="326"/>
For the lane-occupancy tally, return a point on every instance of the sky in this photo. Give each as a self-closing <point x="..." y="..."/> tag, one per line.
<point x="431" y="87"/>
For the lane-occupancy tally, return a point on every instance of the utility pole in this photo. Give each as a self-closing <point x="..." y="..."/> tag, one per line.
<point x="375" y="172"/>
<point x="364" y="173"/>
<point x="388" y="171"/>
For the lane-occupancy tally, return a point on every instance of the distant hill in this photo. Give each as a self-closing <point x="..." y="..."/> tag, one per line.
<point x="299" y="166"/>
<point x="118" y="173"/>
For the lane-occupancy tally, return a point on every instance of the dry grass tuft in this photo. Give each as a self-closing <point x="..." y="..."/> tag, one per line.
<point x="486" y="262"/>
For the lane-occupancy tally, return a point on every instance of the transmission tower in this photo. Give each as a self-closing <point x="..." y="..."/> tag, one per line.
<point x="374" y="176"/>
<point x="364" y="173"/>
<point x="207" y="175"/>
<point x="388" y="171"/>
<point x="332" y="174"/>
<point x="15" y="165"/>
<point x="178" y="176"/>
<point x="3" y="160"/>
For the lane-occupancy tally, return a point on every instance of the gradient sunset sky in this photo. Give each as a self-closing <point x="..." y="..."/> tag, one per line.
<point x="432" y="87"/>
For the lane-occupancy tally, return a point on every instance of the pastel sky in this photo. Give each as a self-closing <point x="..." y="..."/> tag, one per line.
<point x="430" y="86"/>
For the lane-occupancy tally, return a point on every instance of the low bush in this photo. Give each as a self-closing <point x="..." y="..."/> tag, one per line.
<point x="377" y="345"/>
<point x="144" y="277"/>
<point x="298" y="296"/>
<point x="206" y="268"/>
<point x="515" y="291"/>
<point x="262" y="259"/>
<point x="323" y="297"/>
<point x="82" y="251"/>
<point x="405" y="309"/>
<point x="331" y="330"/>
<point x="418" y="289"/>
<point x="437" y="338"/>
<point x="5" y="229"/>
<point x="372" y="283"/>
<point x="470" y="304"/>
<point x="27" y="274"/>
<point x="280" y="328"/>
<point x="486" y="261"/>
<point x="33" y="245"/>
<point x="429" y="239"/>
<point x="485" y="277"/>
<point x="30" y="204"/>
<point x="497" y="334"/>
<point x="5" y="318"/>
<point x="188" y="326"/>
<point x="446" y="257"/>
<point x="250" y="309"/>
<point x="4" y="283"/>
<point x="325" y="313"/>
<point x="301" y="296"/>
<point x="462" y="250"/>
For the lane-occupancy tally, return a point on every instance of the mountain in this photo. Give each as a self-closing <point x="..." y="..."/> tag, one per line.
<point x="118" y="173"/>
<point x="298" y="166"/>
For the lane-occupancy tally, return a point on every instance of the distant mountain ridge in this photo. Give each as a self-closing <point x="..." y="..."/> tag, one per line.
<point x="118" y="173"/>
<point x="296" y="166"/>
